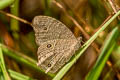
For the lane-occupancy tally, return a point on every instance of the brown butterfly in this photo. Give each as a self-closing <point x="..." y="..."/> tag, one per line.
<point x="57" y="44"/>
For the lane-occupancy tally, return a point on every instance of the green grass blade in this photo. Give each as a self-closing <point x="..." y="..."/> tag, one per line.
<point x="18" y="76"/>
<point x="2" y="66"/>
<point x="14" y="24"/>
<point x="5" y="3"/>
<point x="116" y="56"/>
<point x="64" y="70"/>
<point x="1" y="75"/>
<point x="30" y="63"/>
<point x="104" y="55"/>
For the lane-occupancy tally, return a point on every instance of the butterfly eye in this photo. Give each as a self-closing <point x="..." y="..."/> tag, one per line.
<point x="49" y="45"/>
<point x="49" y="65"/>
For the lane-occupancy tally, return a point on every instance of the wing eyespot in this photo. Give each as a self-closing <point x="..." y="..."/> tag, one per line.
<point x="49" y="65"/>
<point x="49" y="45"/>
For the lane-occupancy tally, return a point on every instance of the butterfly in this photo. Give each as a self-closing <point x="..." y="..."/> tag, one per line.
<point x="56" y="43"/>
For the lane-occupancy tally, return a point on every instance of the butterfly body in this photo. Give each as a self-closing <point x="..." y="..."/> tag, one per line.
<point x="57" y="44"/>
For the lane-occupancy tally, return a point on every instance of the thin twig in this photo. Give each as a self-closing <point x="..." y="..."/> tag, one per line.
<point x="108" y="18"/>
<point x="115" y="9"/>
<point x="103" y="23"/>
<point x="77" y="24"/>
<point x="112" y="5"/>
<point x="82" y="30"/>
<point x="15" y="17"/>
<point x="111" y="2"/>
<point x="71" y="18"/>
<point x="78" y="16"/>
<point x="59" y="5"/>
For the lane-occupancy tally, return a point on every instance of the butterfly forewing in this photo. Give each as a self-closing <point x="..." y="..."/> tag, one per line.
<point x="47" y="28"/>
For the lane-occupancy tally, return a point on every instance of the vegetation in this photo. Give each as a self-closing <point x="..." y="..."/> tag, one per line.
<point x="96" y="21"/>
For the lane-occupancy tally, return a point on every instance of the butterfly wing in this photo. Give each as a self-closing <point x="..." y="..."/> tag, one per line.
<point x="52" y="59"/>
<point x="66" y="52"/>
<point x="47" y="28"/>
<point x="56" y="43"/>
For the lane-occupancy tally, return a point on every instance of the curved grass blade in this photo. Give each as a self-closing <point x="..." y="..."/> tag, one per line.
<point x="1" y="75"/>
<point x="24" y="60"/>
<point x="104" y="55"/>
<point x="18" y="76"/>
<point x="14" y="24"/>
<point x="116" y="66"/>
<point x="2" y="66"/>
<point x="64" y="70"/>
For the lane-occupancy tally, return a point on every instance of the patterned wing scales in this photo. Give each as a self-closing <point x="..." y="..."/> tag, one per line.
<point x="55" y="58"/>
<point x="47" y="28"/>
<point x="57" y="44"/>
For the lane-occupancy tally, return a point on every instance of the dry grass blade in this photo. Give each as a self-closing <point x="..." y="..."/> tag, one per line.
<point x="15" y="17"/>
<point x="77" y="24"/>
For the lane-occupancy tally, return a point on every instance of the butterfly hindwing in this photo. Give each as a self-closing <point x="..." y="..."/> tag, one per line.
<point x="56" y="57"/>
